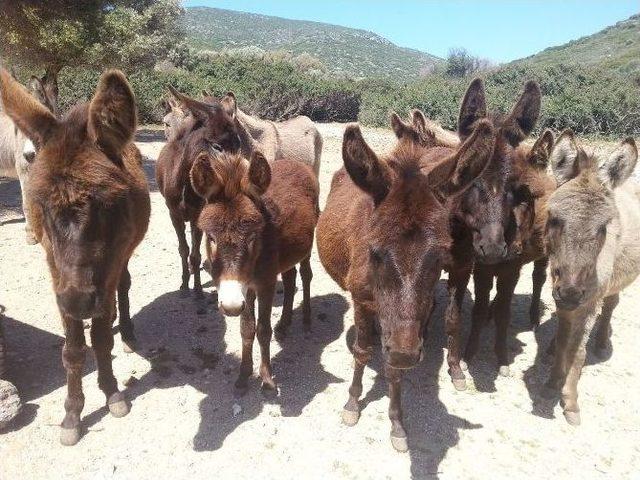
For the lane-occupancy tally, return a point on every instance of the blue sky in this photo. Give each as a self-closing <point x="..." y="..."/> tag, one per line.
<point x="500" y="30"/>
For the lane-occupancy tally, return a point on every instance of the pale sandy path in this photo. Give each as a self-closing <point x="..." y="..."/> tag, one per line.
<point x="181" y="423"/>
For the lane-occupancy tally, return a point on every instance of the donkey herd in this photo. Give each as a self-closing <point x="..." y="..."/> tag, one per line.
<point x="480" y="201"/>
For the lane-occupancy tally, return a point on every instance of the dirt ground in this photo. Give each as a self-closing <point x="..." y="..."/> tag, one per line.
<point x="186" y="423"/>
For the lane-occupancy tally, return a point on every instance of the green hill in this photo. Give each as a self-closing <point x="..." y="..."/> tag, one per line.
<point x="343" y="51"/>
<point x="615" y="48"/>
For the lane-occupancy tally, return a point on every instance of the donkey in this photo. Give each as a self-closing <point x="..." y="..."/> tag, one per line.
<point x="207" y="126"/>
<point x="480" y="220"/>
<point x="259" y="220"/>
<point x="90" y="208"/>
<point x="17" y="151"/>
<point x="383" y="236"/>
<point x="593" y="239"/>
<point x="174" y="116"/>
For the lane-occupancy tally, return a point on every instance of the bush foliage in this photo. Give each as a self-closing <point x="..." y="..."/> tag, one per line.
<point x="587" y="100"/>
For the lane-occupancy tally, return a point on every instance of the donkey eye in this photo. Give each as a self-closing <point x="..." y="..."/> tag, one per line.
<point x="602" y="230"/>
<point x="376" y="255"/>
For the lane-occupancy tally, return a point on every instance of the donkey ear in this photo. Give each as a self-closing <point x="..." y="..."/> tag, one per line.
<point x="366" y="170"/>
<point x="539" y="154"/>
<point x="473" y="108"/>
<point x="524" y="115"/>
<point x="229" y="104"/>
<point x="35" y="85"/>
<point x="398" y="126"/>
<point x="564" y="158"/>
<point x="616" y="169"/>
<point x="419" y="121"/>
<point x="31" y="117"/>
<point x="471" y="159"/>
<point x="204" y="180"/>
<point x="198" y="109"/>
<point x="259" y="172"/>
<point x="206" y="93"/>
<point x="112" y="113"/>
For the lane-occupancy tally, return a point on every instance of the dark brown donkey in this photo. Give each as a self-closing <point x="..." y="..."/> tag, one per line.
<point x="384" y="237"/>
<point x="482" y="220"/>
<point x="208" y="126"/>
<point x="259" y="220"/>
<point x="90" y="205"/>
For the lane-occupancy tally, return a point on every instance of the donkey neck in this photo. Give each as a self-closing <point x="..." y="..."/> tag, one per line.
<point x="257" y="134"/>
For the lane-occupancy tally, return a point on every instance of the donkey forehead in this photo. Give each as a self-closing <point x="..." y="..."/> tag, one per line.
<point x="239" y="213"/>
<point x="580" y="200"/>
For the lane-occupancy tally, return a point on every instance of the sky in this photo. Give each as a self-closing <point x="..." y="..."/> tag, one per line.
<point x="499" y="30"/>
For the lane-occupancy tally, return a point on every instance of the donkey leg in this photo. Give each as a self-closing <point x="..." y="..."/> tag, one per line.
<point x="23" y="178"/>
<point x="482" y="282"/>
<point x="124" y="319"/>
<point x="362" y="352"/>
<point x="102" y="343"/>
<point x="247" y="332"/>
<point x="560" y="344"/>
<point x="538" y="277"/>
<point x="195" y="259"/>
<point x="264" y="332"/>
<point x="183" y="249"/>
<point x="398" y="433"/>
<point x="603" y="333"/>
<point x="289" y="286"/>
<point x="73" y="356"/>
<point x="307" y="275"/>
<point x="458" y="280"/>
<point x="506" y="284"/>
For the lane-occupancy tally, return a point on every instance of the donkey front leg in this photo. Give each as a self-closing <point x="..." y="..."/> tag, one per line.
<point x="306" y="274"/>
<point x="248" y="333"/>
<point x="73" y="356"/>
<point x="264" y="332"/>
<point x="458" y="280"/>
<point x="538" y="278"/>
<point x="362" y="351"/>
<point x="483" y="283"/>
<point x="102" y="343"/>
<point x="183" y="249"/>
<point x="23" y="177"/>
<point x="603" y="332"/>
<point x="195" y="259"/>
<point x="289" y="287"/>
<point x="506" y="285"/>
<point x="124" y="319"/>
<point x="398" y="433"/>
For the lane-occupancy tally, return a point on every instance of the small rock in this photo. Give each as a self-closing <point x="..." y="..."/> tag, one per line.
<point x="10" y="404"/>
<point x="237" y="409"/>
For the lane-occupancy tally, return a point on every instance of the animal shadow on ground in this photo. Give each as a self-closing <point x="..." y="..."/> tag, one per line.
<point x="431" y="429"/>
<point x="185" y="348"/>
<point x="34" y="364"/>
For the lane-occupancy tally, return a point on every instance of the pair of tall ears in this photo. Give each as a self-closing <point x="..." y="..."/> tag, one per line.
<point x="416" y="131"/>
<point x="568" y="159"/>
<point x="208" y="176"/>
<point x="112" y="113"/>
<point x="518" y="124"/>
<point x="210" y="107"/>
<point x="451" y="175"/>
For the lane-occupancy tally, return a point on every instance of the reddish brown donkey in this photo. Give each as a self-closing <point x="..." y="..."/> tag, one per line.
<point x="90" y="207"/>
<point x="384" y="237"/>
<point x="208" y="126"/>
<point x="259" y="220"/>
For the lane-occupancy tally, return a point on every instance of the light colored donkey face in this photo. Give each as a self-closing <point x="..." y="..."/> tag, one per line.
<point x="581" y="213"/>
<point x="173" y="118"/>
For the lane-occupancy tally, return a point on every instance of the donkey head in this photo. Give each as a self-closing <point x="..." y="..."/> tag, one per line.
<point x="407" y="240"/>
<point x="583" y="217"/>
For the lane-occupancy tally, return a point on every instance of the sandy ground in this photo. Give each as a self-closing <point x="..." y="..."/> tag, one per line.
<point x="182" y="422"/>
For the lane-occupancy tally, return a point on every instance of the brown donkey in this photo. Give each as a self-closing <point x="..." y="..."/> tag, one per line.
<point x="383" y="236"/>
<point x="208" y="126"/>
<point x="90" y="205"/>
<point x="593" y="239"/>
<point x="259" y="220"/>
<point x="480" y="220"/>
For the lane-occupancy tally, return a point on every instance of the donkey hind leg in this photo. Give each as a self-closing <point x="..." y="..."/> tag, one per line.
<point x="458" y="280"/>
<point x="124" y="319"/>
<point x="289" y="287"/>
<point x="362" y="352"/>
<point x="398" y="433"/>
<point x="102" y="343"/>
<point x="23" y="178"/>
<point x="603" y="331"/>
<point x="195" y="259"/>
<point x="506" y="285"/>
<point x="73" y="356"/>
<point x="483" y="283"/>
<point x="248" y="333"/>
<point x="538" y="277"/>
<point x="307" y="275"/>
<point x="183" y="249"/>
<point x="264" y="332"/>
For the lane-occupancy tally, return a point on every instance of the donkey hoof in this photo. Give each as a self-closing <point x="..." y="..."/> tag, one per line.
<point x="460" y="384"/>
<point x="399" y="443"/>
<point x="118" y="405"/>
<point x="184" y="292"/>
<point x="30" y="238"/>
<point x="504" y="370"/>
<point x="69" y="436"/>
<point x="280" y="332"/>
<point x="129" y="345"/>
<point x="464" y="366"/>
<point x="350" y="417"/>
<point x="573" y="418"/>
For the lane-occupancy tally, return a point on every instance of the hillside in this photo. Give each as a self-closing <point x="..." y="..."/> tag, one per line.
<point x="346" y="51"/>
<point x="615" y="48"/>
